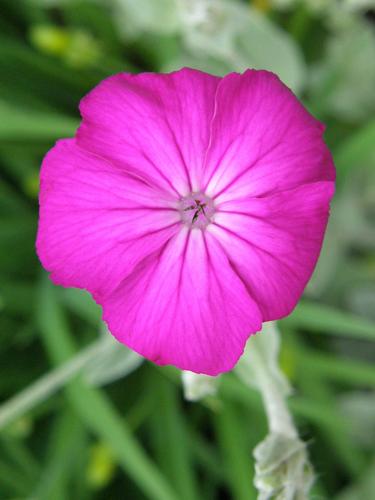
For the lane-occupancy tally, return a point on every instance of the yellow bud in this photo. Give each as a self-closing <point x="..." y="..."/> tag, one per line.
<point x="261" y="5"/>
<point x="83" y="50"/>
<point x="21" y="428"/>
<point x="50" y="39"/>
<point x="101" y="466"/>
<point x="31" y="185"/>
<point x="288" y="360"/>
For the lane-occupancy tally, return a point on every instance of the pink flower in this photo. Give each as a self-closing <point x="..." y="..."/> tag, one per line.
<point x="192" y="207"/>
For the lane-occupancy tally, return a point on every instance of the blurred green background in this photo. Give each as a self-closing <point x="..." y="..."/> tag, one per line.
<point x="105" y="425"/>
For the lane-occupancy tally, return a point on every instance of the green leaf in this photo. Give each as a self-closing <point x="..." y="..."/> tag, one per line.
<point x="343" y="83"/>
<point x="134" y="18"/>
<point x="242" y="38"/>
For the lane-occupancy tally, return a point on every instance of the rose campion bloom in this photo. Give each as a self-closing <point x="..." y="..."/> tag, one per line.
<point x="192" y="207"/>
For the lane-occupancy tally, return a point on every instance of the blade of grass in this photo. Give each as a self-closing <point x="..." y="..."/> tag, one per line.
<point x="93" y="407"/>
<point x="171" y="439"/>
<point x="236" y="453"/>
<point x="45" y="386"/>
<point x="344" y="370"/>
<point x="206" y="456"/>
<point x="325" y="319"/>
<point x="63" y="445"/>
<point x="315" y="388"/>
<point x="338" y="441"/>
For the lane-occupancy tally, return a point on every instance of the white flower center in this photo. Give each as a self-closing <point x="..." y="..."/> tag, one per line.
<point x="196" y="210"/>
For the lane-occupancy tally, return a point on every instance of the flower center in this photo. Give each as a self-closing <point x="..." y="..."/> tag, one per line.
<point x="196" y="210"/>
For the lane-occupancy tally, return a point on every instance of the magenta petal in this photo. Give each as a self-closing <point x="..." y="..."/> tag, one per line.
<point x="263" y="139"/>
<point x="96" y="222"/>
<point x="185" y="306"/>
<point x="274" y="243"/>
<point x="154" y="125"/>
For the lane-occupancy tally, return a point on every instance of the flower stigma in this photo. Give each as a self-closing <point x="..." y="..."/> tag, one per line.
<point x="196" y="210"/>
